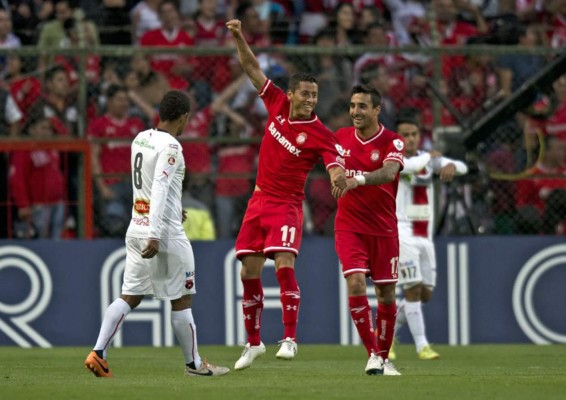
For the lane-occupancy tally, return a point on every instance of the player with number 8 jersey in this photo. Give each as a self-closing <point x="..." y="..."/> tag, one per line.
<point x="157" y="158"/>
<point x="159" y="257"/>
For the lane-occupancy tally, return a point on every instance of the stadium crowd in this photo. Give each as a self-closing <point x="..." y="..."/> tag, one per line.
<point x="39" y="96"/>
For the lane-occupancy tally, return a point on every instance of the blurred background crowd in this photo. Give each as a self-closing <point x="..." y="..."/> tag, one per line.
<point x="96" y="71"/>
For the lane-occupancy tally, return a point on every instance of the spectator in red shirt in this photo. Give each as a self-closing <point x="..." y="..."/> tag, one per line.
<point x="56" y="103"/>
<point x="175" y="66"/>
<point x="37" y="185"/>
<point x="556" y="124"/>
<point x="25" y="88"/>
<point x="111" y="161"/>
<point x="544" y="189"/>
<point x="209" y="33"/>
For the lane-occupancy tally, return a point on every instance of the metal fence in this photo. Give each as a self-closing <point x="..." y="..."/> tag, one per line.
<point x="106" y="95"/>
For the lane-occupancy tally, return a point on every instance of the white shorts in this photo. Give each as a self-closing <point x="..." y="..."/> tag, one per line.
<point x="167" y="276"/>
<point x="417" y="262"/>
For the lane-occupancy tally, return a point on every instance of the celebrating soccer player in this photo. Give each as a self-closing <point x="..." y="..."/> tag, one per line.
<point x="293" y="142"/>
<point x="366" y="226"/>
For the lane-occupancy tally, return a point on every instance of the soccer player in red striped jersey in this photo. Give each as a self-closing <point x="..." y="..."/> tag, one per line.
<point x="292" y="144"/>
<point x="366" y="235"/>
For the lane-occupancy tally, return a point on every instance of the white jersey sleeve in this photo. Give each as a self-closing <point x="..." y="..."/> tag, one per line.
<point x="415" y="164"/>
<point x="158" y="169"/>
<point x="461" y="168"/>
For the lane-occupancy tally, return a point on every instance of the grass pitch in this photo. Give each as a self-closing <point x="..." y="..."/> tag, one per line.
<point x="319" y="372"/>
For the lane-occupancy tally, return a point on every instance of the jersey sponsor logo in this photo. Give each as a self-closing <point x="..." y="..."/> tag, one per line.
<point x="141" y="221"/>
<point x="144" y="143"/>
<point x="374" y="155"/>
<point x="301" y="138"/>
<point x="398" y="143"/>
<point x="174" y="146"/>
<point x="141" y="206"/>
<point x="353" y="172"/>
<point x="283" y="140"/>
<point x="280" y="119"/>
<point x="395" y="155"/>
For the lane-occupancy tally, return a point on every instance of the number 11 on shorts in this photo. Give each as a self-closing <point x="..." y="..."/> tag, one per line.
<point x="287" y="231"/>
<point x="394" y="264"/>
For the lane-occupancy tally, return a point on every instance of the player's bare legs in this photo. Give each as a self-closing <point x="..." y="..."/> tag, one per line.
<point x="252" y="307"/>
<point x="290" y="297"/>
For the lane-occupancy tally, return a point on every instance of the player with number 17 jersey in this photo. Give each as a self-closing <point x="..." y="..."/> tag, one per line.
<point x="363" y="156"/>
<point x="158" y="169"/>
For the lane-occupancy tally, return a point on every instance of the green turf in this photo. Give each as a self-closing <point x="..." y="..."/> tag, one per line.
<point x="319" y="372"/>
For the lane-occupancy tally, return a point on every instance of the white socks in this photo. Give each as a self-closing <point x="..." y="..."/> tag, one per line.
<point x="401" y="318"/>
<point x="186" y="333"/>
<point x="414" y="315"/>
<point x="112" y="322"/>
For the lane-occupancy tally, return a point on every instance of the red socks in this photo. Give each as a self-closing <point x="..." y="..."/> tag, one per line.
<point x="290" y="296"/>
<point x="386" y="314"/>
<point x="362" y="317"/>
<point x="252" y="305"/>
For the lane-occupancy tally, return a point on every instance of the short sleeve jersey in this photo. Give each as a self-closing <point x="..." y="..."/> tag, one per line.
<point x="290" y="148"/>
<point x="158" y="169"/>
<point x="369" y="209"/>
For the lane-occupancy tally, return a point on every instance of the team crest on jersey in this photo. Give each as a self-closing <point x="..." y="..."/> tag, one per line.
<point x="374" y="155"/>
<point x="141" y="206"/>
<point x="398" y="143"/>
<point x="301" y="138"/>
<point x="171" y="160"/>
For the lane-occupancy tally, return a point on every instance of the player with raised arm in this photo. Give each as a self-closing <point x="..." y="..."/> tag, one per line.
<point x="159" y="257"/>
<point x="417" y="258"/>
<point x="292" y="144"/>
<point x="366" y="226"/>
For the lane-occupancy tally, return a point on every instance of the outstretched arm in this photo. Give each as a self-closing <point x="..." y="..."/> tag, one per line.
<point x="385" y="174"/>
<point x="246" y="56"/>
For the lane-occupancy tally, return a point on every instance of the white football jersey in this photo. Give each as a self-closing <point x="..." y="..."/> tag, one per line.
<point x="418" y="172"/>
<point x="158" y="169"/>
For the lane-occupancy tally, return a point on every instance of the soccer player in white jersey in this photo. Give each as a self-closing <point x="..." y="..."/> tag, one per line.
<point x="417" y="259"/>
<point x="159" y="257"/>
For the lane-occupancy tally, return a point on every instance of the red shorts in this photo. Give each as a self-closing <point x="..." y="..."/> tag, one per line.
<point x="375" y="256"/>
<point x="270" y="225"/>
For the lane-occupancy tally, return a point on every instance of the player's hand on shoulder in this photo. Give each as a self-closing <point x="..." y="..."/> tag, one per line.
<point x="151" y="248"/>
<point x="234" y="26"/>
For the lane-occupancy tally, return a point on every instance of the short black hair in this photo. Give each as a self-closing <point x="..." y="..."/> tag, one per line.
<point x="113" y="89"/>
<point x="407" y="119"/>
<point x="50" y="73"/>
<point x="297" y="78"/>
<point x="174" y="104"/>
<point x="244" y="6"/>
<point x="367" y="89"/>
